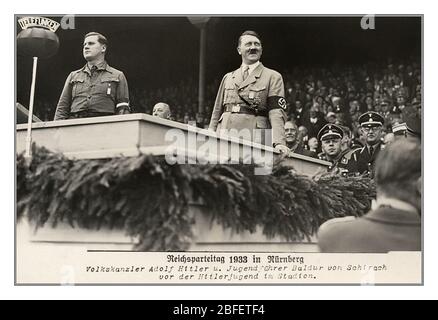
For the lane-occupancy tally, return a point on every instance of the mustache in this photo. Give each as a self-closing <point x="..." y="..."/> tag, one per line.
<point x="253" y="51"/>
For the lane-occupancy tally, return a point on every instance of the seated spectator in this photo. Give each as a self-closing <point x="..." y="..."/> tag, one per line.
<point x="298" y="112"/>
<point x="293" y="139"/>
<point x="304" y="134"/>
<point x="161" y="110"/>
<point x="331" y="117"/>
<point x="313" y="120"/>
<point x="346" y="142"/>
<point x="200" y="121"/>
<point x="313" y="147"/>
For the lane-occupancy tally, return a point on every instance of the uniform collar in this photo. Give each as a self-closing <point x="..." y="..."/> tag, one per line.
<point x="250" y="66"/>
<point x="391" y="215"/>
<point x="293" y="146"/>
<point x="367" y="147"/>
<point x="383" y="201"/>
<point x="343" y="153"/>
<point x="253" y="76"/>
<point x="100" y="66"/>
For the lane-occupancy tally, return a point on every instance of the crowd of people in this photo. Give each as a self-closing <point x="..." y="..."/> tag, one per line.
<point x="315" y="96"/>
<point x="182" y="97"/>
<point x="339" y="95"/>
<point x="330" y="94"/>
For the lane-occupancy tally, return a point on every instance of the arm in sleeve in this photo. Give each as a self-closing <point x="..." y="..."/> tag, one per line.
<point x="122" y="96"/>
<point x="276" y="85"/>
<point x="352" y="165"/>
<point x="218" y="106"/>
<point x="64" y="103"/>
<point x="277" y="117"/>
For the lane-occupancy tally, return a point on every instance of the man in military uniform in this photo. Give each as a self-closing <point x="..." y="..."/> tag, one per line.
<point x="330" y="136"/>
<point x="251" y="97"/>
<point x="362" y="160"/>
<point x="399" y="130"/>
<point x="413" y="127"/>
<point x="96" y="89"/>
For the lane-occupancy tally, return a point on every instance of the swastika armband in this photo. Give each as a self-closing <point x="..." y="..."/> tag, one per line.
<point x="277" y="102"/>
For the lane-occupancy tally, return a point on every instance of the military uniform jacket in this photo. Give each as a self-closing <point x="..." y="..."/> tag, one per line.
<point x="362" y="161"/>
<point x="342" y="163"/>
<point x="252" y="92"/>
<point x="382" y="230"/>
<point x="101" y="92"/>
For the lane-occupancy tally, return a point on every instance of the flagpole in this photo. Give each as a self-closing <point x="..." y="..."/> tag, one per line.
<point x="28" y="152"/>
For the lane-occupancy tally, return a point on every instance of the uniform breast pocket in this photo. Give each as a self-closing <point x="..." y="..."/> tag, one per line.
<point x="257" y="94"/>
<point x="78" y="87"/>
<point x="108" y="86"/>
<point x="230" y="94"/>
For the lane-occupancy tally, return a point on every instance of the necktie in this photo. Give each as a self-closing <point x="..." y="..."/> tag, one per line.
<point x="245" y="72"/>
<point x="93" y="69"/>
<point x="371" y="151"/>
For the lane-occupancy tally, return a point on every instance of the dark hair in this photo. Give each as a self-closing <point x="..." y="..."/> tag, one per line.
<point x="398" y="168"/>
<point x="100" y="37"/>
<point x="248" y="33"/>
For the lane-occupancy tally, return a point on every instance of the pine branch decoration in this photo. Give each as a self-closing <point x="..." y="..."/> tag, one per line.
<point x="151" y="200"/>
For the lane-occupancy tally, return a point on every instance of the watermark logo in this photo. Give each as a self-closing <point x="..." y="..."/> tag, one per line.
<point x="368" y="277"/>
<point x="229" y="147"/>
<point x="368" y="22"/>
<point x="67" y="274"/>
<point x="68" y="22"/>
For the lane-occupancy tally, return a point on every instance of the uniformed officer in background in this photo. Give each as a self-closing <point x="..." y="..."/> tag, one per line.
<point x="362" y="160"/>
<point x="331" y="136"/>
<point x="251" y="97"/>
<point x="413" y="127"/>
<point x="96" y="89"/>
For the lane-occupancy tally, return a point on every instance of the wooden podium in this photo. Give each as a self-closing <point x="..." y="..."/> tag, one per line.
<point x="135" y="134"/>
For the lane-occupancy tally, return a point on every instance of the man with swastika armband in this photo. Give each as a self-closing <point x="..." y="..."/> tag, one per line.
<point x="251" y="98"/>
<point x="330" y="136"/>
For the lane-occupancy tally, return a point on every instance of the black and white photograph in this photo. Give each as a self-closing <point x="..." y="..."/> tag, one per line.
<point x="219" y="149"/>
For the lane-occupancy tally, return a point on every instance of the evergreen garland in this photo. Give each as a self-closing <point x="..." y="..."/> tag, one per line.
<point x="150" y="199"/>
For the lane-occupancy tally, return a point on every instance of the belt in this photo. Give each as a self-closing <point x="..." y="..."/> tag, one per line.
<point x="88" y="114"/>
<point x="237" y="108"/>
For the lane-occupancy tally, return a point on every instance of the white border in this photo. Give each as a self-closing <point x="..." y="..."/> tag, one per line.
<point x="8" y="291"/>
